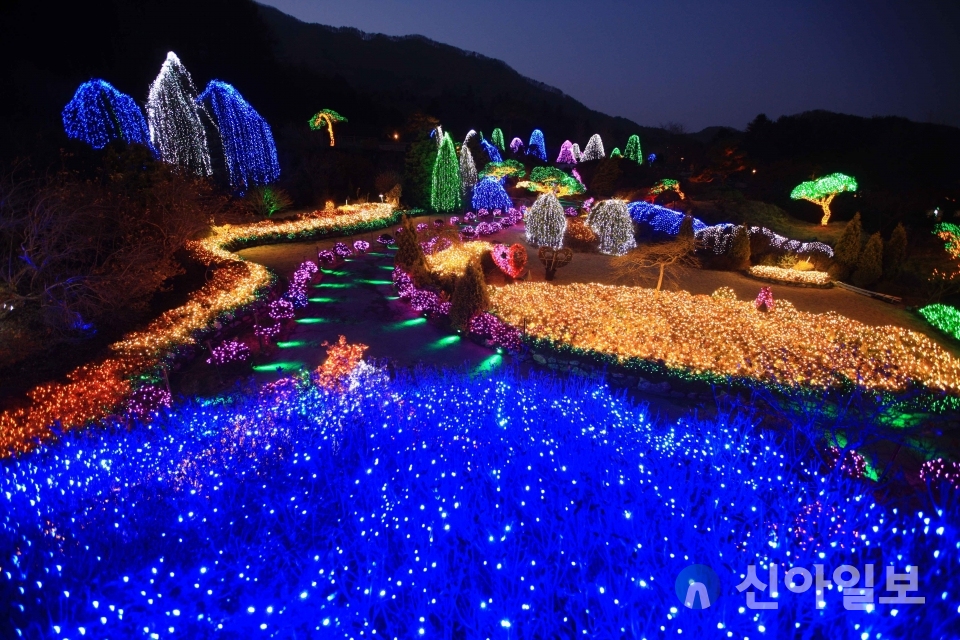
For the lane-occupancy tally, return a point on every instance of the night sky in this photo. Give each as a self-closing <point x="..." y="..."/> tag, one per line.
<point x="698" y="62"/>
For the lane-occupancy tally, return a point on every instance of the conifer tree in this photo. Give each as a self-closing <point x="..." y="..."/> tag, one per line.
<point x="895" y="251"/>
<point x="470" y="297"/>
<point x="740" y="248"/>
<point x="632" y="150"/>
<point x="497" y="138"/>
<point x="847" y="251"/>
<point x="870" y="264"/>
<point x="409" y="256"/>
<point x="445" y="184"/>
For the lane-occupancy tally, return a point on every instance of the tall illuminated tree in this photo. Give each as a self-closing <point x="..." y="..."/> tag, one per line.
<point x="497" y="138"/>
<point x="537" y="146"/>
<point x="594" y="149"/>
<point x="575" y="150"/>
<point x="611" y="221"/>
<point x="98" y="114"/>
<point x="566" y="153"/>
<point x="468" y="169"/>
<point x="632" y="150"/>
<point x="173" y="118"/>
<point x="545" y="222"/>
<point x="445" y="193"/>
<point x="325" y="119"/>
<point x="823" y="191"/>
<point x="247" y="141"/>
<point x="489" y="194"/>
<point x="492" y="151"/>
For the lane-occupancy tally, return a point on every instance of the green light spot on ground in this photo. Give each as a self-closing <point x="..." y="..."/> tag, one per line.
<point x="377" y="282"/>
<point x="322" y="299"/>
<point x="385" y="267"/>
<point x="491" y="363"/>
<point x="311" y="320"/>
<point x="290" y="344"/>
<point x="331" y="272"/>
<point x="404" y="324"/>
<point x="444" y="342"/>
<point x="392" y="297"/>
<point x="284" y="366"/>
<point x="334" y="285"/>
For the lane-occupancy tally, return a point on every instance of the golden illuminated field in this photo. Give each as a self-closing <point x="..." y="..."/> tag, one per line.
<point x="702" y="334"/>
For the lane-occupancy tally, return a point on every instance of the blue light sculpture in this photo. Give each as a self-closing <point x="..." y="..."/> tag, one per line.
<point x="98" y="114"/>
<point x="537" y="147"/>
<point x="662" y="220"/>
<point x="249" y="151"/>
<point x="489" y="194"/>
<point x="492" y="151"/>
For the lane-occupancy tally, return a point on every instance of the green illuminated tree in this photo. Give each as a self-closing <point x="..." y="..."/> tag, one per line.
<point x="632" y="150"/>
<point x="445" y="184"/>
<point x="505" y="169"/>
<point x="823" y="191"/>
<point x="497" y="139"/>
<point x="552" y="180"/>
<point x="616" y="153"/>
<point x="324" y="119"/>
<point x="870" y="264"/>
<point x="469" y="298"/>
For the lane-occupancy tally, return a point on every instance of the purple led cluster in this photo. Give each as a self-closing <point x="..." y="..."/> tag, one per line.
<point x="281" y="309"/>
<point x="435" y="245"/>
<point x="327" y="256"/>
<point x="361" y="246"/>
<point x="487" y="325"/>
<point x="454" y="220"/>
<point x="229" y="351"/>
<point x="792" y="246"/>
<point x="342" y="250"/>
<point x="570" y="211"/>
<point x="661" y="219"/>
<point x="297" y="291"/>
<point x="939" y="471"/>
<point x="147" y="400"/>
<point x="423" y="226"/>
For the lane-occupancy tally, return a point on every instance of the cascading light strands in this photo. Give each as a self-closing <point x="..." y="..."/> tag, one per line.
<point x="98" y="114"/>
<point x="594" y="149"/>
<point x="445" y="186"/>
<point x="575" y="150"/>
<point x="468" y="169"/>
<point x="249" y="151"/>
<point x="610" y="220"/>
<point x="497" y="138"/>
<point x="492" y="151"/>
<point x="324" y="119"/>
<point x="537" y="147"/>
<point x="546" y="222"/>
<point x="823" y="191"/>
<point x="616" y="153"/>
<point x="174" y="121"/>
<point x="632" y="150"/>
<point x="489" y="194"/>
<point x="516" y="145"/>
<point x="566" y="153"/>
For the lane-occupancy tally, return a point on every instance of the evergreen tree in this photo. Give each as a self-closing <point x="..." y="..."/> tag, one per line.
<point x="445" y="182"/>
<point x="686" y="233"/>
<point x="470" y="297"/>
<point x="409" y="256"/>
<point x="611" y="221"/>
<point x="895" y="251"/>
<point x="497" y="138"/>
<point x="847" y="251"/>
<point x="468" y="172"/>
<point x="546" y="223"/>
<point x="632" y="150"/>
<point x="870" y="264"/>
<point x="418" y="170"/>
<point x="740" y="248"/>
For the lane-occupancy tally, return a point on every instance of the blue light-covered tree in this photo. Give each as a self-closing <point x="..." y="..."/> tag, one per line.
<point x="492" y="151"/>
<point x="98" y="114"/>
<point x="174" y="119"/>
<point x="250" y="154"/>
<point x="594" y="149"/>
<point x="537" y="147"/>
<point x="445" y="194"/>
<point x="489" y="194"/>
<point x="545" y="222"/>
<point x="632" y="150"/>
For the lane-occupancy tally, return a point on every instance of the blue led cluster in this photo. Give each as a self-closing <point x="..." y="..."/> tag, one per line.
<point x="492" y="151"/>
<point x="508" y="505"/>
<point x="98" y="114"/>
<point x="249" y="151"/>
<point x="537" y="147"/>
<point x="489" y="194"/>
<point x="661" y="219"/>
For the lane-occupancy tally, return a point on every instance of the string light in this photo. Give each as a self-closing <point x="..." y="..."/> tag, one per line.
<point x="705" y="336"/>
<point x="516" y="145"/>
<point x="490" y="194"/>
<point x="552" y="180"/>
<point x="511" y="260"/>
<point x="453" y="261"/>
<point x="173" y="119"/>
<point x="537" y="147"/>
<point x="492" y="151"/>
<point x="566" y="153"/>
<point x="445" y="183"/>
<point x="661" y="219"/>
<point x="468" y="169"/>
<point x="792" y="246"/>
<point x="504" y="170"/>
<point x="325" y="119"/>
<point x="764" y="301"/>
<point x="666" y="184"/>
<point x="616" y="153"/>
<point x="247" y="141"/>
<point x="611" y="221"/>
<point x="822" y="191"/>
<point x="943" y="317"/>
<point x="632" y="150"/>
<point x="791" y="275"/>
<point x="342" y="360"/>
<point x="575" y="151"/>
<point x="497" y="138"/>
<point x="228" y="352"/>
<point x="593" y="150"/>
<point x="98" y="114"/>
<point x="546" y="222"/>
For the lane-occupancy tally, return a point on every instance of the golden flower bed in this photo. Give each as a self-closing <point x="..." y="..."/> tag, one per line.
<point x="453" y="261"/>
<point x="790" y="275"/>
<point x="98" y="389"/>
<point x="707" y="335"/>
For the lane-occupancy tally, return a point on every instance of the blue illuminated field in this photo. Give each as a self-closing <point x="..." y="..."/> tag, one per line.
<point x="450" y="506"/>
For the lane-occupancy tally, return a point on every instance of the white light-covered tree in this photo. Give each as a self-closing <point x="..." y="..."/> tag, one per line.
<point x="611" y="221"/>
<point x="173" y="118"/>
<point x="594" y="149"/>
<point x="468" y="169"/>
<point x="546" y="222"/>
